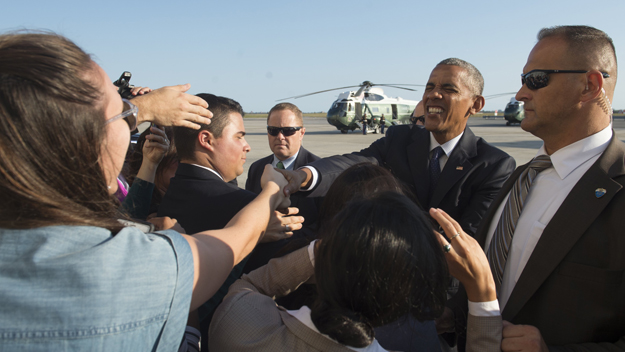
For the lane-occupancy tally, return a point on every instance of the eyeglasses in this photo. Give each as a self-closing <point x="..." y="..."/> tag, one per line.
<point x="286" y="131"/>
<point x="536" y="79"/>
<point x="129" y="114"/>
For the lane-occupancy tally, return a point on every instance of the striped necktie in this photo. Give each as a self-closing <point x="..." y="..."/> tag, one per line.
<point x="280" y="165"/>
<point x="502" y="238"/>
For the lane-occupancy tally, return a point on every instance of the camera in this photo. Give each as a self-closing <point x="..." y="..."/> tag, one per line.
<point x="123" y="85"/>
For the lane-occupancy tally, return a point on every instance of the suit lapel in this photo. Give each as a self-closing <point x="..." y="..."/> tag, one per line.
<point x="457" y="166"/>
<point x="578" y="211"/>
<point x="418" y="158"/>
<point x="301" y="158"/>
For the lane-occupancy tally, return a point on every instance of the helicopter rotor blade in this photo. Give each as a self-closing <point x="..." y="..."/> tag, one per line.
<point x="388" y="85"/>
<point x="498" y="95"/>
<point x="321" y="91"/>
<point x="400" y="84"/>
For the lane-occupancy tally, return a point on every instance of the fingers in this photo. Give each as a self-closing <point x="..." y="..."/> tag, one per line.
<point x="140" y="90"/>
<point x="181" y="87"/>
<point x="449" y="225"/>
<point x="289" y="211"/>
<point x="193" y="100"/>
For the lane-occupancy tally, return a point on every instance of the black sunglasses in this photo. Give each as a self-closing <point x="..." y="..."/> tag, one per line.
<point x="536" y="79"/>
<point x="286" y="131"/>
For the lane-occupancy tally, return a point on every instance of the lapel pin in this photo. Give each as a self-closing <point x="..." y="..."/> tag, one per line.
<point x="600" y="192"/>
<point x="459" y="168"/>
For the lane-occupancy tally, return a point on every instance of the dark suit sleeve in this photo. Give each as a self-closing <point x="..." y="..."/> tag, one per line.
<point x="592" y="347"/>
<point x="485" y="192"/>
<point x="330" y="168"/>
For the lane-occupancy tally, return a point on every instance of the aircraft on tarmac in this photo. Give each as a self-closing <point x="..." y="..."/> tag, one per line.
<point x="347" y="111"/>
<point x="514" y="113"/>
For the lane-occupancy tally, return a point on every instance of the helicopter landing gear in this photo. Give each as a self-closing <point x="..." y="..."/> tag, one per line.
<point x="344" y="131"/>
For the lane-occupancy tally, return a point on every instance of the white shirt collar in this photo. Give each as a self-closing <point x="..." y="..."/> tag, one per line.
<point x="287" y="162"/>
<point x="569" y="158"/>
<point x="209" y="169"/>
<point x="303" y="315"/>
<point x="448" y="146"/>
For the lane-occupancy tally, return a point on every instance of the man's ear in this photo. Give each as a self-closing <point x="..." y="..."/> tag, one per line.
<point x="303" y="130"/>
<point x="478" y="105"/>
<point x="594" y="83"/>
<point x="205" y="140"/>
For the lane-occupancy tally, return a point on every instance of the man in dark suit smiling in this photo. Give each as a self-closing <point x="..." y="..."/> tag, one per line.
<point x="444" y="165"/>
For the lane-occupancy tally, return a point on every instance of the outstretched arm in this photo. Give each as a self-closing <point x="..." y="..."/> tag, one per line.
<point x="216" y="252"/>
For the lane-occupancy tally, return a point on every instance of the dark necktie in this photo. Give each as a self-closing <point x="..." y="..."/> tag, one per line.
<point x="435" y="169"/>
<point x="280" y="165"/>
<point x="502" y="238"/>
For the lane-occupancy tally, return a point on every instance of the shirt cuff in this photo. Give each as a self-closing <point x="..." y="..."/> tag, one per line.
<point x="315" y="177"/>
<point x="311" y="252"/>
<point x="484" y="309"/>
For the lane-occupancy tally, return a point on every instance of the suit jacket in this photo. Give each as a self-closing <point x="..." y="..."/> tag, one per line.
<point x="573" y="286"/>
<point x="249" y="320"/>
<point x="472" y="176"/>
<point x="307" y="208"/>
<point x="200" y="200"/>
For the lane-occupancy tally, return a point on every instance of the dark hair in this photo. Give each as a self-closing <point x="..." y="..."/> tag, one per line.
<point x="288" y="106"/>
<point x="135" y="158"/>
<point x="221" y="108"/>
<point x="52" y="125"/>
<point x="358" y="180"/>
<point x="379" y="261"/>
<point x="589" y="46"/>
<point x="475" y="81"/>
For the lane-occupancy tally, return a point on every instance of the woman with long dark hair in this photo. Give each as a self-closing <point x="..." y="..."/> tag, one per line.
<point x="380" y="260"/>
<point x="72" y="276"/>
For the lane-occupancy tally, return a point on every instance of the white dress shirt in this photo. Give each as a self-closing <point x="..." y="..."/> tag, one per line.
<point x="448" y="147"/>
<point x="209" y="169"/>
<point x="287" y="163"/>
<point x="545" y="197"/>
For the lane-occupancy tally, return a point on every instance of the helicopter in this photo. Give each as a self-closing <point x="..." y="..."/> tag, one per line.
<point x="514" y="113"/>
<point x="347" y="111"/>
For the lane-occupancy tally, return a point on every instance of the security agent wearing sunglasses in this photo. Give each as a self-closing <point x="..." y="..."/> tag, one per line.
<point x="561" y="283"/>
<point x="285" y="133"/>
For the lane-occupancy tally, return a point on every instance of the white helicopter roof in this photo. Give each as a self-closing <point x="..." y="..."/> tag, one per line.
<point x="373" y="94"/>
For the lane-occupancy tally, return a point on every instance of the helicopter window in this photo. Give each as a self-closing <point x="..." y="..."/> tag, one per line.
<point x="375" y="110"/>
<point x="373" y="97"/>
<point x="388" y="110"/>
<point x="349" y="107"/>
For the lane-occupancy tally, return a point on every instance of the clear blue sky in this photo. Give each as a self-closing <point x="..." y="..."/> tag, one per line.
<point x="259" y="51"/>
